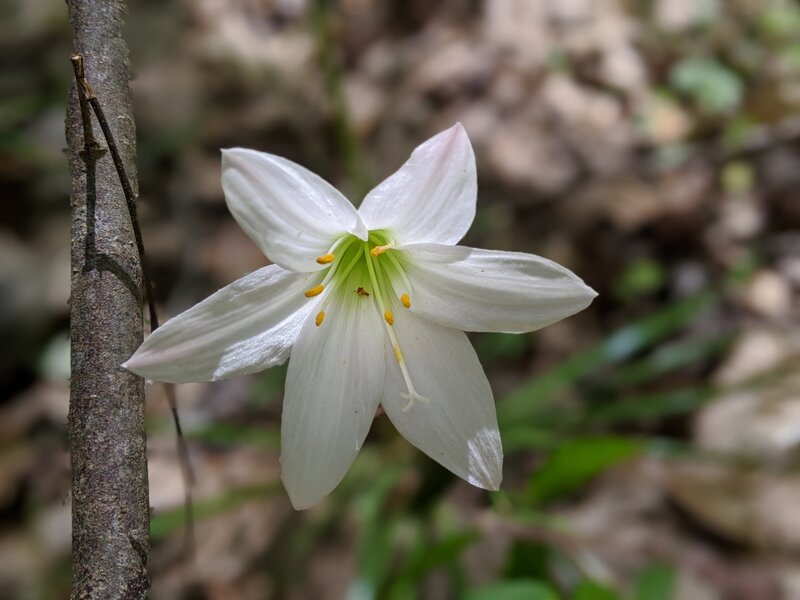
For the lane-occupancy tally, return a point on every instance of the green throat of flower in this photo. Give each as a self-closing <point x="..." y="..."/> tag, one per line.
<point x="367" y="271"/>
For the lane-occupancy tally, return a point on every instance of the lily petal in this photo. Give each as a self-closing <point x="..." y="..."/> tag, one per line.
<point x="333" y="386"/>
<point x="245" y="327"/>
<point x="489" y="290"/>
<point x="291" y="214"/>
<point x="431" y="198"/>
<point x="456" y="424"/>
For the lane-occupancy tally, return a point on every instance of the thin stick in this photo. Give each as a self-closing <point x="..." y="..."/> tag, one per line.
<point x="86" y="96"/>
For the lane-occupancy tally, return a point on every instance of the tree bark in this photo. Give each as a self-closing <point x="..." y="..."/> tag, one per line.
<point x="110" y="508"/>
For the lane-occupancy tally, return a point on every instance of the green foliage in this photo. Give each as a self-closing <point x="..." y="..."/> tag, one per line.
<point x="591" y="590"/>
<point x="173" y="520"/>
<point x="643" y="276"/>
<point x="666" y="358"/>
<point x="790" y="57"/>
<point x="221" y="433"/>
<point x="527" y="404"/>
<point x="738" y="177"/>
<point x="650" y="407"/>
<point x="527" y="559"/>
<point x="655" y="583"/>
<point x="576" y="462"/>
<point x="520" y="589"/>
<point x="492" y="347"/>
<point x="780" y="20"/>
<point x="427" y="555"/>
<point x="377" y="534"/>
<point x="715" y="88"/>
<point x="737" y="131"/>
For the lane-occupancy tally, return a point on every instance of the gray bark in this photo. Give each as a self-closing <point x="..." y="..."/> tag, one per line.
<point x="110" y="510"/>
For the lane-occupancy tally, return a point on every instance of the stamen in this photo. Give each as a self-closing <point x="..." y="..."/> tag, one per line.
<point x="381" y="249"/>
<point x="344" y="270"/>
<point x="320" y="318"/>
<point x="404" y="299"/>
<point x="314" y="291"/>
<point x="325" y="259"/>
<point x="412" y="394"/>
<point x="399" y="267"/>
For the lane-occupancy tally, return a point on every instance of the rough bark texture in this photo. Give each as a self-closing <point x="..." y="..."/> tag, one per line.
<point x="110" y="510"/>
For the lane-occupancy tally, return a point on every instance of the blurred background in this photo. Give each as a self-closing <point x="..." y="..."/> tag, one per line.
<point x="652" y="146"/>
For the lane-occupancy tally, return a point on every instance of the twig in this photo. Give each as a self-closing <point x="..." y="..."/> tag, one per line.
<point x="87" y="96"/>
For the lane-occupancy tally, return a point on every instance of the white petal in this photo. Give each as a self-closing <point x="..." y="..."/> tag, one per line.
<point x="456" y="425"/>
<point x="245" y="327"/>
<point x="490" y="290"/>
<point x="333" y="386"/>
<point x="292" y="214"/>
<point x="431" y="198"/>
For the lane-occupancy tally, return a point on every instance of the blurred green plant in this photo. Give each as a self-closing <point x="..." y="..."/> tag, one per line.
<point x="520" y="589"/>
<point x="715" y="88"/>
<point x="574" y="462"/>
<point x="780" y="20"/>
<point x="591" y="590"/>
<point x="656" y="582"/>
<point x="643" y="276"/>
<point x="529" y="403"/>
<point x="346" y="141"/>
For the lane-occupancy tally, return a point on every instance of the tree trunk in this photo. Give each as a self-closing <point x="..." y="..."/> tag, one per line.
<point x="110" y="508"/>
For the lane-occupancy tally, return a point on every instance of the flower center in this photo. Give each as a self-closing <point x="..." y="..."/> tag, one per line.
<point x="367" y="271"/>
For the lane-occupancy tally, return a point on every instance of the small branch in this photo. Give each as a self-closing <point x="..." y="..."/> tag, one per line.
<point x="86" y="115"/>
<point x="86" y="94"/>
<point x="88" y="99"/>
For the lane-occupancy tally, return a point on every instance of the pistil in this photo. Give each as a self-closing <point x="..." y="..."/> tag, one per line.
<point x="412" y="394"/>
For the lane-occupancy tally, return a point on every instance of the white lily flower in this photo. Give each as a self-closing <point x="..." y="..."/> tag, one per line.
<point x="371" y="305"/>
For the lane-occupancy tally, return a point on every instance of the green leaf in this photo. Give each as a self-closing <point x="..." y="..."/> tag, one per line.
<point x="526" y="559"/>
<point x="655" y="583"/>
<point x="493" y="347"/>
<point x="780" y="20"/>
<point x="713" y="86"/>
<point x="529" y="400"/>
<point x="667" y="358"/>
<point x="172" y="520"/>
<point x="519" y="589"/>
<point x="576" y="462"/>
<point x="591" y="590"/>
<point x="227" y="434"/>
<point x="651" y="407"/>
<point x="643" y="276"/>
<point x="376" y="533"/>
<point x="429" y="556"/>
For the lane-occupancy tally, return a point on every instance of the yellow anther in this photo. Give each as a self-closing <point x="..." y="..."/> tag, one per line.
<point x="379" y="249"/>
<point x="317" y="289"/>
<point x="398" y="356"/>
<point x="320" y="318"/>
<point x="405" y="300"/>
<point x="325" y="259"/>
<point x="389" y="318"/>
